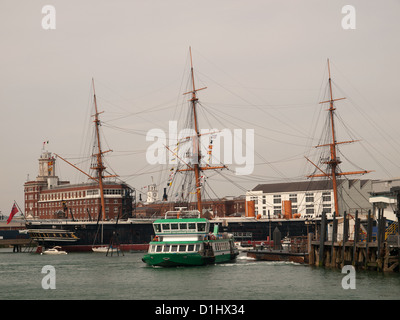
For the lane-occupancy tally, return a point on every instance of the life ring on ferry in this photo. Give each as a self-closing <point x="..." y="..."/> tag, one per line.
<point x="156" y="238"/>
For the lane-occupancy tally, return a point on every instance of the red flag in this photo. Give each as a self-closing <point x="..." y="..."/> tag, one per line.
<point x="14" y="210"/>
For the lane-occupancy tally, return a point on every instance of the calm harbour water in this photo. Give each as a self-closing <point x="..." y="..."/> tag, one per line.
<point x="94" y="276"/>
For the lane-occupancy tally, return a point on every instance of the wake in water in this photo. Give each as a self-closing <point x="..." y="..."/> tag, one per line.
<point x="243" y="260"/>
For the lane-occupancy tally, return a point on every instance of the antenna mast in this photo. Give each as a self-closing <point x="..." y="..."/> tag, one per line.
<point x="333" y="162"/>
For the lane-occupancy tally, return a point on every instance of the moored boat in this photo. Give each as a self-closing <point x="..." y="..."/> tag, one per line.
<point x="54" y="251"/>
<point x="101" y="249"/>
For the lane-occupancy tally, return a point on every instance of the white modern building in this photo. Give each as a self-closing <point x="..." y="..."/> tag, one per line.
<point x="383" y="196"/>
<point x="308" y="199"/>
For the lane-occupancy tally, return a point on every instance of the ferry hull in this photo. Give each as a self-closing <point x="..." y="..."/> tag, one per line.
<point x="185" y="260"/>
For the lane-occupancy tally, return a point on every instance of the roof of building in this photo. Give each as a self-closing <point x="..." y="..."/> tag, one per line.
<point x="294" y="186"/>
<point x="302" y="186"/>
<point x="65" y="185"/>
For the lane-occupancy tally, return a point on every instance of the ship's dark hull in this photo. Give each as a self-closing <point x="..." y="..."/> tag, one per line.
<point x="82" y="236"/>
<point x="136" y="235"/>
<point x="261" y="230"/>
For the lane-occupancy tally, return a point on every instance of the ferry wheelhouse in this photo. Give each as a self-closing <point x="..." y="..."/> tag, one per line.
<point x="187" y="241"/>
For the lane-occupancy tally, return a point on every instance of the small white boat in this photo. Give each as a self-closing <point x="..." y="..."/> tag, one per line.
<point x="54" y="250"/>
<point x="101" y="249"/>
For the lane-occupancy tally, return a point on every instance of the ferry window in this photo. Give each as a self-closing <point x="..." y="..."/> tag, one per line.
<point x="159" y="248"/>
<point x="191" y="247"/>
<point x="174" y="248"/>
<point x="192" y="226"/>
<point x="165" y="227"/>
<point x="183" y="226"/>
<point x="197" y="247"/>
<point x="174" y="226"/>
<point x="182" y="247"/>
<point x="166" y="248"/>
<point x="157" y="228"/>
<point x="201" y="227"/>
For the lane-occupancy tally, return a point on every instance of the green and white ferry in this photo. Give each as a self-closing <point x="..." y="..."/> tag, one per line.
<point x="186" y="241"/>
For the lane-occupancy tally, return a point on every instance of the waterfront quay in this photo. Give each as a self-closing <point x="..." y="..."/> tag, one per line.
<point x="356" y="240"/>
<point x="333" y="247"/>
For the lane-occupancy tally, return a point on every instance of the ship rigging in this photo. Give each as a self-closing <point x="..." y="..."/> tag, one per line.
<point x="197" y="168"/>
<point x="332" y="161"/>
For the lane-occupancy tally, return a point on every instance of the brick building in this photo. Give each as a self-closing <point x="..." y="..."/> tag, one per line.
<point x="49" y="198"/>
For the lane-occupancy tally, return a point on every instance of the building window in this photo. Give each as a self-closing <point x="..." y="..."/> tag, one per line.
<point x="293" y="198"/>
<point x="277" y="210"/>
<point x="327" y="208"/>
<point x="310" y="209"/>
<point x="309" y="197"/>
<point x="326" y="196"/>
<point x="277" y="198"/>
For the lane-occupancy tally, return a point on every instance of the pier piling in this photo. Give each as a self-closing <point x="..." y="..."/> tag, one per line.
<point x="356" y="245"/>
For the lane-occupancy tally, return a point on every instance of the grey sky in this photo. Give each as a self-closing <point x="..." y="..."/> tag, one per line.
<point x="264" y="62"/>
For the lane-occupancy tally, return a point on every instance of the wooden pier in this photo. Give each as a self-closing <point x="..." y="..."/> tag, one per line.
<point x="365" y="250"/>
<point x="17" y="244"/>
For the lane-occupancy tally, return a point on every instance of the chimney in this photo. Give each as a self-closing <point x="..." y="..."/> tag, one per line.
<point x="165" y="197"/>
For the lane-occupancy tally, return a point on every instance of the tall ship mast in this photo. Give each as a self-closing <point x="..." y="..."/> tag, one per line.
<point x="99" y="156"/>
<point x="99" y="166"/>
<point x="333" y="162"/>
<point x="197" y="167"/>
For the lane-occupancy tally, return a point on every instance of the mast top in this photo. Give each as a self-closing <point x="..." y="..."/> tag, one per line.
<point x="334" y="161"/>
<point x="193" y="92"/>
